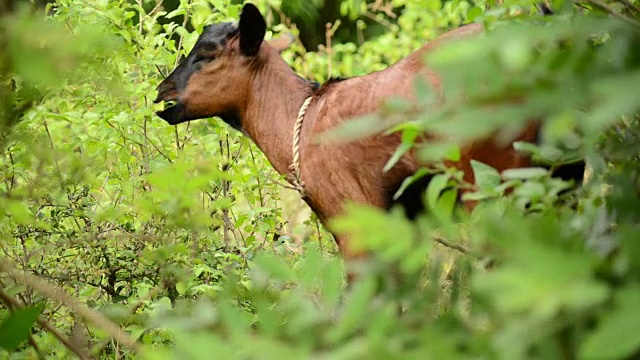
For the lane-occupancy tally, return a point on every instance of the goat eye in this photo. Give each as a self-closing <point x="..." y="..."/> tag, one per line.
<point x="203" y="56"/>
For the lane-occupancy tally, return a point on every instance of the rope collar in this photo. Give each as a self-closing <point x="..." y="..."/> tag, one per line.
<point x="297" y="183"/>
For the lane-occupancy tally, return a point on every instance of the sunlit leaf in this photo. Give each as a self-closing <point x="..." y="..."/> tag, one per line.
<point x="486" y="177"/>
<point x="16" y="328"/>
<point x="524" y="173"/>
<point x="615" y="337"/>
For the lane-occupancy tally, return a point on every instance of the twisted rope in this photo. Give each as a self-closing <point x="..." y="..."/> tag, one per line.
<point x="297" y="183"/>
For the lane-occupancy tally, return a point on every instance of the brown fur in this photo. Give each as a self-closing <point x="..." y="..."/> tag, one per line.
<point x="266" y="95"/>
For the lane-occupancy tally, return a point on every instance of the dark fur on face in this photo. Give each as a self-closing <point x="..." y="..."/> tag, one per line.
<point x="213" y="38"/>
<point x="214" y="78"/>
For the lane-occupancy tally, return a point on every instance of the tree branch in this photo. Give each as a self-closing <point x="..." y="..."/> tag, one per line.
<point x="13" y="303"/>
<point x="80" y="308"/>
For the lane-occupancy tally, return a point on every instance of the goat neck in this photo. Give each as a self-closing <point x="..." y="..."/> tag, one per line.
<point x="276" y="96"/>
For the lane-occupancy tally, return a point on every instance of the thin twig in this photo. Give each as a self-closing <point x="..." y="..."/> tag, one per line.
<point x="53" y="149"/>
<point x="178" y="146"/>
<point x="11" y="302"/>
<point x="258" y="178"/>
<point x="158" y="149"/>
<point x="630" y="4"/>
<point x="611" y="11"/>
<point x="328" y="35"/>
<point x="456" y="247"/>
<point x="155" y="9"/>
<point x="180" y="41"/>
<point x="384" y="22"/>
<point x="226" y="187"/>
<point x="317" y="222"/>
<point x="164" y="76"/>
<point x="140" y="17"/>
<point x="12" y="305"/>
<point x="80" y="308"/>
<point x="380" y="6"/>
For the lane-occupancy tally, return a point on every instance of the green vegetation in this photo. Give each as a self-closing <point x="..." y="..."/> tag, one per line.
<point x="123" y="237"/>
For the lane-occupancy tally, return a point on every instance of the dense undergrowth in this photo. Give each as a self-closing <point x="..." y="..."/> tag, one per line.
<point x="185" y="238"/>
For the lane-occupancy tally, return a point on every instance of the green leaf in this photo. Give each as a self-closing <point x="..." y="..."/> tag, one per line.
<point x="473" y="13"/>
<point x="274" y="267"/>
<point x="416" y="259"/>
<point x="397" y="155"/>
<point x="372" y="228"/>
<point x="541" y="280"/>
<point x="177" y="12"/>
<point x="423" y="90"/>
<point x="446" y="204"/>
<point x="397" y="104"/>
<point x="527" y="148"/>
<point x="515" y="54"/>
<point x="182" y="287"/>
<point x="453" y="153"/>
<point x="236" y="320"/>
<point x="19" y="212"/>
<point x="332" y="278"/>
<point x="356" y="128"/>
<point x="311" y="266"/>
<point x="525" y="173"/>
<point x="16" y="289"/>
<point x="436" y="185"/>
<point x="410" y="180"/>
<point x="200" y="346"/>
<point x="531" y="190"/>
<point x="409" y="135"/>
<point x="486" y="177"/>
<point x="616" y="336"/>
<point x="356" y="311"/>
<point x="16" y="328"/>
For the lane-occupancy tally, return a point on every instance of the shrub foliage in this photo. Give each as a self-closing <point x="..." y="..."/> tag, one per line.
<point x="123" y="237"/>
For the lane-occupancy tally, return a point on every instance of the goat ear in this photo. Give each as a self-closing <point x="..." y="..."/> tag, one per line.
<point x="252" y="30"/>
<point x="283" y="42"/>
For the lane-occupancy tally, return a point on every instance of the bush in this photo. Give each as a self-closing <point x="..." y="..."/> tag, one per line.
<point x="124" y="237"/>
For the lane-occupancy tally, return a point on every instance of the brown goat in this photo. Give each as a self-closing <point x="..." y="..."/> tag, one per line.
<point x="235" y="75"/>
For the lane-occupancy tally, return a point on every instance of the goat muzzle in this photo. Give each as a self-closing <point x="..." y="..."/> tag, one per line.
<point x="166" y="92"/>
<point x="174" y="113"/>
